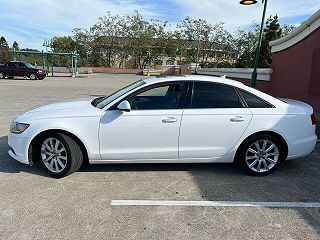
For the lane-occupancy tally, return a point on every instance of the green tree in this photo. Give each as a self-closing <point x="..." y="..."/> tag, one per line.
<point x="63" y="44"/>
<point x="286" y="29"/>
<point x="82" y="41"/>
<point x="106" y="39"/>
<point x="245" y="42"/>
<point x="272" y="31"/>
<point x="15" y="45"/>
<point x="4" y="50"/>
<point x="143" y="39"/>
<point x="196" y="34"/>
<point x="222" y="41"/>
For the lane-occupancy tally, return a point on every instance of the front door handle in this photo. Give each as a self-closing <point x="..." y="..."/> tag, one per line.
<point x="237" y="119"/>
<point x="169" y="120"/>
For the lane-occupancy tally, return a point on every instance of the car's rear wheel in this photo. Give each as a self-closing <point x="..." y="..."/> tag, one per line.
<point x="40" y="78"/>
<point x="2" y="75"/>
<point x="60" y="155"/>
<point x="261" y="155"/>
<point x="33" y="76"/>
<point x="11" y="77"/>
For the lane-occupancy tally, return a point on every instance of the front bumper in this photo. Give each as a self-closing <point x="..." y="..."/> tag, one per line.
<point x="42" y="75"/>
<point x="19" y="147"/>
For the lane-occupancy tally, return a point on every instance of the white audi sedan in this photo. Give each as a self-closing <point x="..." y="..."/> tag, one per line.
<point x="185" y="119"/>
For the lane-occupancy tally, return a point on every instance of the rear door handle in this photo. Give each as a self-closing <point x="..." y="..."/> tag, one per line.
<point x="237" y="119"/>
<point x="169" y="120"/>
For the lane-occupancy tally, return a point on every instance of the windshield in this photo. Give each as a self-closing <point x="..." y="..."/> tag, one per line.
<point x="101" y="102"/>
<point x="29" y="65"/>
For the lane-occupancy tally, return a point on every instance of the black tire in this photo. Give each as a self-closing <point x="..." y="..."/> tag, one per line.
<point x="74" y="155"/>
<point x="40" y="78"/>
<point x="240" y="159"/>
<point x="11" y="77"/>
<point x="2" y="75"/>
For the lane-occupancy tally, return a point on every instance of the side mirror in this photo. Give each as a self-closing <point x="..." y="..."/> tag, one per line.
<point x="124" y="106"/>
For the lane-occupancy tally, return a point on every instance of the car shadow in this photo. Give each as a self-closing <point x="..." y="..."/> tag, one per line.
<point x="295" y="181"/>
<point x="18" y="79"/>
<point x="9" y="165"/>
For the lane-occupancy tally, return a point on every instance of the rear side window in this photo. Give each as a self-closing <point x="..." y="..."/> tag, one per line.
<point x="214" y="95"/>
<point x="254" y="101"/>
<point x="12" y="64"/>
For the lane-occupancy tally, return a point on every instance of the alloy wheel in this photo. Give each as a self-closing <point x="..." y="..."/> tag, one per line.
<point x="54" y="155"/>
<point x="262" y="155"/>
<point x="33" y="76"/>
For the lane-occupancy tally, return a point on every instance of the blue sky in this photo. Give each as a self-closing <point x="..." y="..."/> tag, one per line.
<point x="30" y="22"/>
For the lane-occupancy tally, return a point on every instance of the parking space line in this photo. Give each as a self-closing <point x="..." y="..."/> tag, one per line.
<point x="215" y="203"/>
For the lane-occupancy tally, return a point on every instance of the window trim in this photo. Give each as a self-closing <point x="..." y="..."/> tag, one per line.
<point x="181" y="105"/>
<point x="190" y="95"/>
<point x="245" y="102"/>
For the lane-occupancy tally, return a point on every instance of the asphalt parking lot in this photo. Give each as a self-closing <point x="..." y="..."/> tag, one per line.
<point x="36" y="206"/>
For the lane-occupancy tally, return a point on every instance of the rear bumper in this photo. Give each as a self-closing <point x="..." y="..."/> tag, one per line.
<point x="19" y="147"/>
<point x="302" y="147"/>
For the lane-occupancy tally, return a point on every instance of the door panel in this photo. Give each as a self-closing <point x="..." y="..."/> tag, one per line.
<point x="21" y="70"/>
<point x="150" y="130"/>
<point x="213" y="123"/>
<point x="11" y="69"/>
<point x="211" y="133"/>
<point x="139" y="134"/>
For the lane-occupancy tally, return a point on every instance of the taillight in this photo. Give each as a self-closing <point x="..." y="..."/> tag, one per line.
<point x="313" y="119"/>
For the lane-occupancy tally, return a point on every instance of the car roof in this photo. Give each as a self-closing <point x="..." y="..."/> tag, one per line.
<point x="193" y="78"/>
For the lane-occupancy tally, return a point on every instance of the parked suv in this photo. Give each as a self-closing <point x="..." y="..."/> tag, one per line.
<point x="21" y="69"/>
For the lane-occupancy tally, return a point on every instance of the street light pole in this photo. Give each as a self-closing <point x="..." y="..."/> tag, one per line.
<point x="197" y="59"/>
<point x="256" y="61"/>
<point x="257" y="55"/>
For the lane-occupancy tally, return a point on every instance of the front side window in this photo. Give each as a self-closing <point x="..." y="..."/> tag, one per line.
<point x="214" y="95"/>
<point x="254" y="101"/>
<point x="101" y="102"/>
<point x="161" y="97"/>
<point x="29" y="65"/>
<point x="21" y="65"/>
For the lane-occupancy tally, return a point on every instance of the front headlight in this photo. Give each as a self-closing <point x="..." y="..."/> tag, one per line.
<point x="17" y="127"/>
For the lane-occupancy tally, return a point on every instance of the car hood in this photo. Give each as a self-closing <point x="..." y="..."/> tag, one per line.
<point x="76" y="108"/>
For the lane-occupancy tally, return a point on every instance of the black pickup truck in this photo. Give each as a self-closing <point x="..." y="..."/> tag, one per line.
<point x="21" y="69"/>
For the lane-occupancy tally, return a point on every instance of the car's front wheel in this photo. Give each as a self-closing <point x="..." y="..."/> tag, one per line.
<point x="33" y="76"/>
<point x="60" y="155"/>
<point x="261" y="155"/>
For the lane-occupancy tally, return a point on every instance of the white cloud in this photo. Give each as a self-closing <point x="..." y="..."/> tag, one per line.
<point x="29" y="22"/>
<point x="235" y="15"/>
